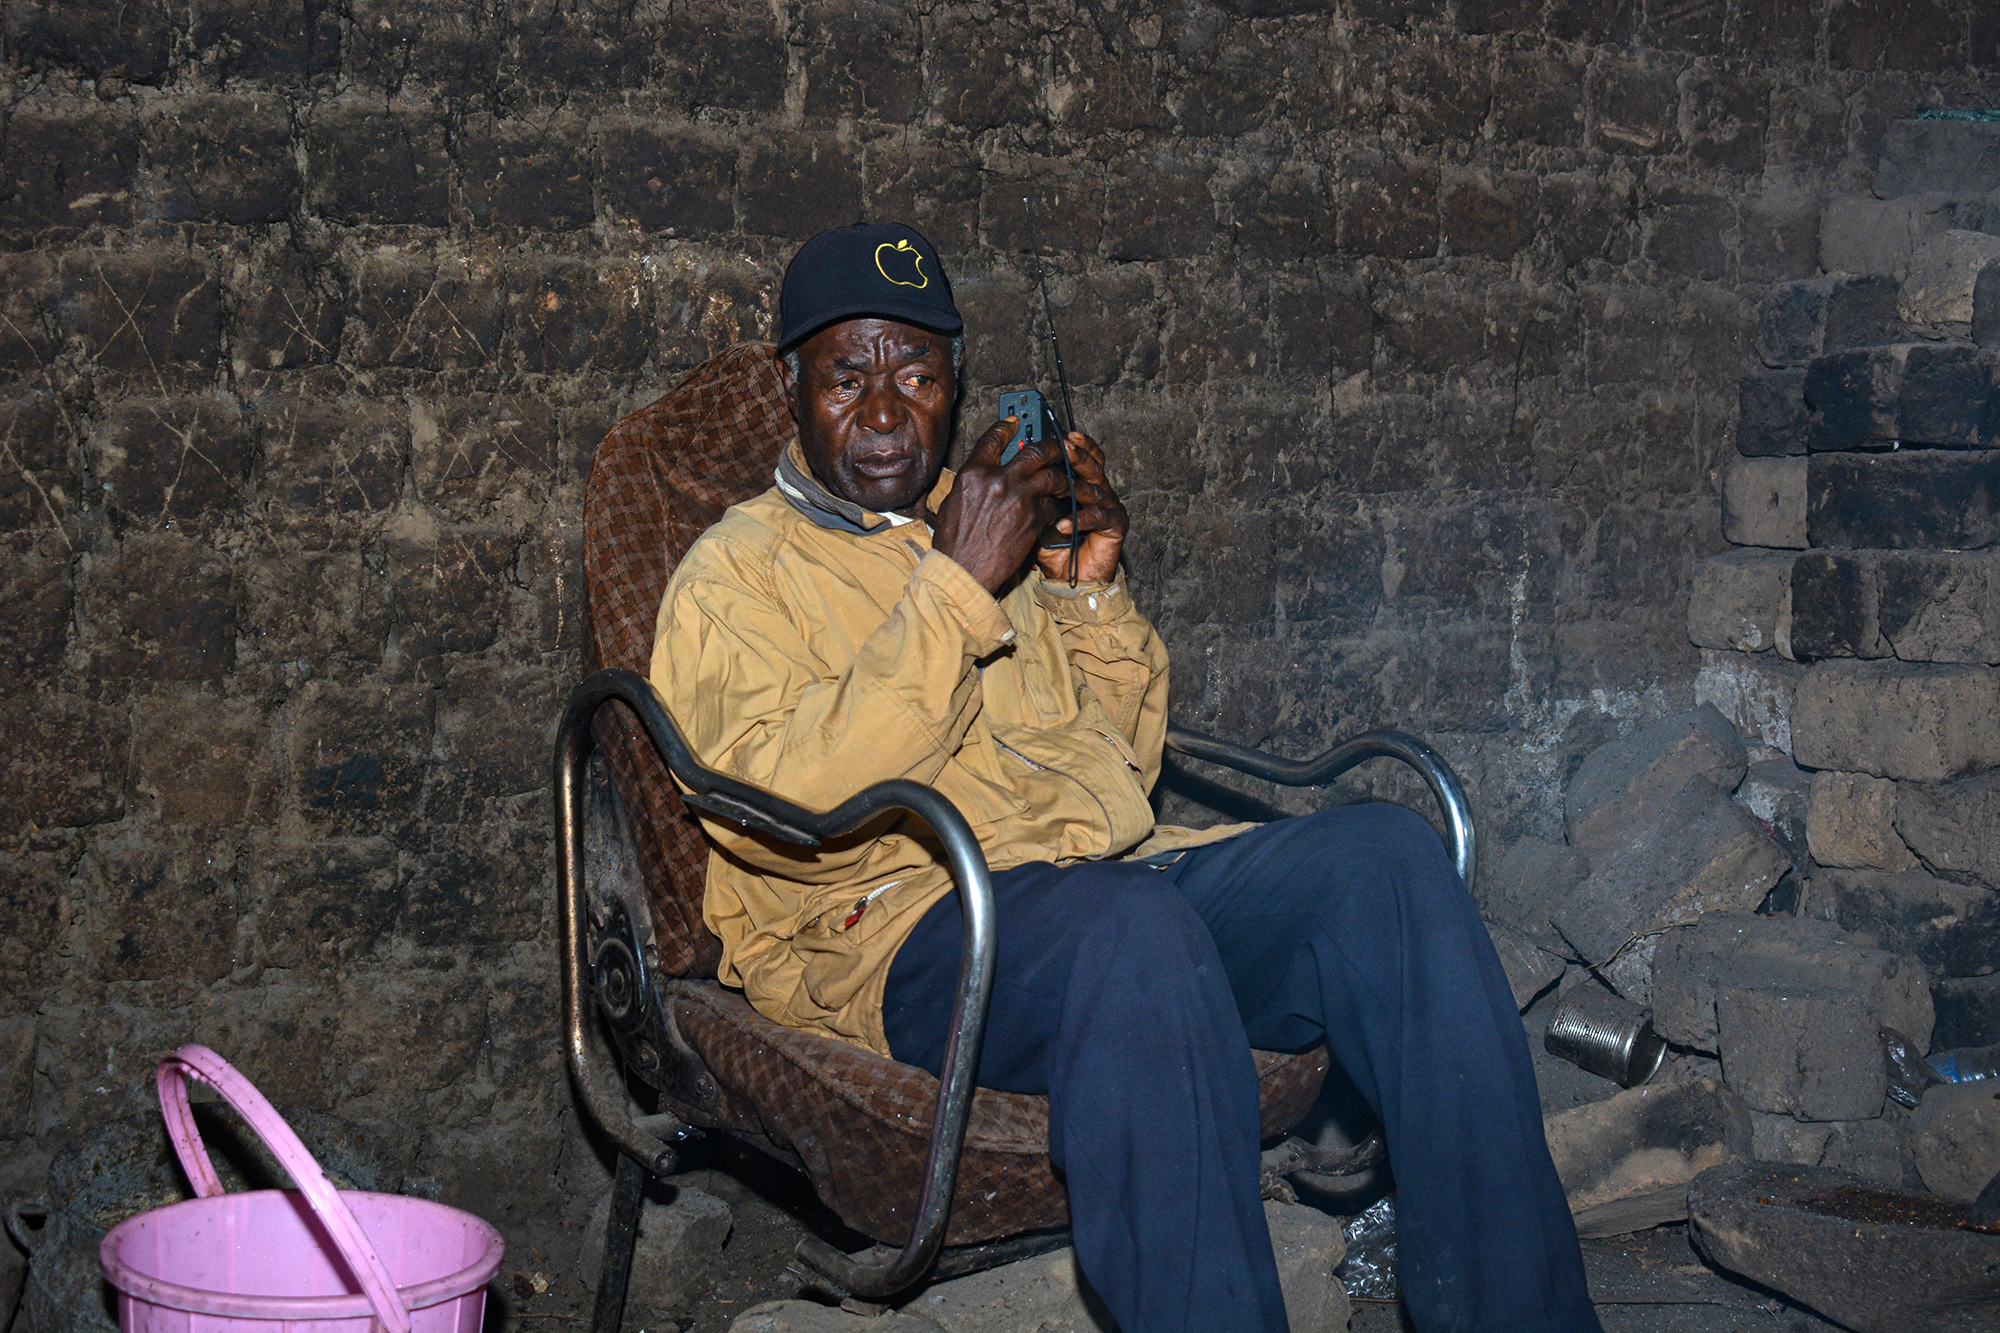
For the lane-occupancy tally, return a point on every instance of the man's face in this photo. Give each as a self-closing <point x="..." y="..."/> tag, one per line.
<point x="873" y="402"/>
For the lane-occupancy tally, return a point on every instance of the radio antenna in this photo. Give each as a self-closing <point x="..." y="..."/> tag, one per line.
<point x="1068" y="422"/>
<point x="1055" y="346"/>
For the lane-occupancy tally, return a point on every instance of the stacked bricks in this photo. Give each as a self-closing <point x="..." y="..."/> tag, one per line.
<point x="1864" y="592"/>
<point x="1412" y="332"/>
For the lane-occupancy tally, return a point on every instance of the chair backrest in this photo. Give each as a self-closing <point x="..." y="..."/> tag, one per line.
<point x="659" y="478"/>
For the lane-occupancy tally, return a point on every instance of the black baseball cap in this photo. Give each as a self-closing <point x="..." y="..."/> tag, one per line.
<point x="883" y="269"/>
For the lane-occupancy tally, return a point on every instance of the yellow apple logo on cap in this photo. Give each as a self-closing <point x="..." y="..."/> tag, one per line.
<point x="897" y="253"/>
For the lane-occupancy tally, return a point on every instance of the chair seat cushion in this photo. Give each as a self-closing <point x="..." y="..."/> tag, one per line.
<point x="860" y="1124"/>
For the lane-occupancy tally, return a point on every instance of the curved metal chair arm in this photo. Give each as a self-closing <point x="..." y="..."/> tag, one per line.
<point x="1322" y="768"/>
<point x="758" y="809"/>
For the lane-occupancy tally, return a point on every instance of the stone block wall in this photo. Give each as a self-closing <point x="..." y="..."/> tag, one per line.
<point x="1413" y="331"/>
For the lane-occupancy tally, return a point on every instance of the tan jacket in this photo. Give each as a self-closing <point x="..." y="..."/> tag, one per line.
<point x="813" y="658"/>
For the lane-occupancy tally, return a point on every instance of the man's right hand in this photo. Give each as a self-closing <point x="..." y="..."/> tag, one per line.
<point x="994" y="514"/>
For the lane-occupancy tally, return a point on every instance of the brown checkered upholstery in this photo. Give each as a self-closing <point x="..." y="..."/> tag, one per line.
<point x="859" y="1123"/>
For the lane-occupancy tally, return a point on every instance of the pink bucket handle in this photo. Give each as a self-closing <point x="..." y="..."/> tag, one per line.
<point x="193" y="1061"/>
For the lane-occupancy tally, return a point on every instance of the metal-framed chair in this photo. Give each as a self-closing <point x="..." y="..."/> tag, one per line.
<point x="948" y="1177"/>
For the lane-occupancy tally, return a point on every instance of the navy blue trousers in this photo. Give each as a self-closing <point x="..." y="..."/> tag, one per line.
<point x="1132" y="995"/>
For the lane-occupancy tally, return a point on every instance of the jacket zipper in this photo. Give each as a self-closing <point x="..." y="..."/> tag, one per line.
<point x="1084" y="787"/>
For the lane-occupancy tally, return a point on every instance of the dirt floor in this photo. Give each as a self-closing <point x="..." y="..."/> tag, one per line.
<point x="1649" y="1282"/>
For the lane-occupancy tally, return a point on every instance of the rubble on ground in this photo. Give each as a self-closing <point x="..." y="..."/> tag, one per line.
<point x="1780" y="924"/>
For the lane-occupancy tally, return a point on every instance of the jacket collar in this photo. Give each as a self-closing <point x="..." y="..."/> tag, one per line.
<point x="803" y="492"/>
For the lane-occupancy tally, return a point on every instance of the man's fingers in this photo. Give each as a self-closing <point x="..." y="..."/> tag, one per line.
<point x="990" y="445"/>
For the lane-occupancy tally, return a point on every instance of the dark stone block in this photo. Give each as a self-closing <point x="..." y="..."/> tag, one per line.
<point x="995" y="302"/>
<point x="1388" y="206"/>
<point x="1939" y="157"/>
<point x="1915" y="35"/>
<point x="115" y="39"/>
<point x="1325" y="324"/>
<point x="1986" y="308"/>
<point x="523" y="173"/>
<point x="35" y="633"/>
<point x="34" y="498"/>
<point x="1329" y="567"/>
<point x="1835" y="1242"/>
<point x="932" y="186"/>
<point x="1587" y="217"/>
<point x="566" y="45"/>
<point x="797" y="185"/>
<point x="491" y="720"/>
<point x="1968" y="1012"/>
<point x="172" y="462"/>
<point x="1116" y="85"/>
<point x="434" y="313"/>
<point x="326" y="458"/>
<point x="153" y="313"/>
<point x="1538" y="96"/>
<point x="164" y="912"/>
<point x="1800" y="320"/>
<point x="1698" y="26"/>
<point x="289" y="310"/>
<point x="1485" y="17"/>
<point x="1043" y="205"/>
<point x="1160" y="208"/>
<point x="67" y="763"/>
<point x="703" y="304"/>
<point x="1488" y="216"/>
<point x="326" y="604"/>
<point x="469" y="456"/>
<point x="727" y="53"/>
<point x="1779" y="237"/>
<point x="279" y="40"/>
<point x="314" y="905"/>
<point x="369" y="163"/>
<point x="863" y="59"/>
<point x="158" y="607"/>
<point x="1952" y="929"/>
<point x="1533" y="329"/>
<point x="465" y="888"/>
<point x="1635" y="105"/>
<point x="447" y="592"/>
<point x="1944" y="394"/>
<point x="1441" y="90"/>
<point x="360" y="752"/>
<point x="1239" y="66"/>
<point x="1853" y="398"/>
<point x="1689" y="239"/>
<point x="66" y="165"/>
<point x="1834" y="608"/>
<point x="574" y="315"/>
<point x="1770" y="29"/>
<point x="1212" y="330"/>
<point x="1772" y="415"/>
<point x="1283" y="213"/>
<point x="224" y="159"/>
<point x="454" y="48"/>
<point x="980" y="79"/>
<point x="668" y="177"/>
<point x="1727" y="111"/>
<point x="1107" y="321"/>
<point x="1395" y="13"/>
<point x="1434" y="325"/>
<point x="205" y="759"/>
<point x="1912" y="500"/>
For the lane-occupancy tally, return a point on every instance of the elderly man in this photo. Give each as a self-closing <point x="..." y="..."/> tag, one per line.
<point x="874" y="616"/>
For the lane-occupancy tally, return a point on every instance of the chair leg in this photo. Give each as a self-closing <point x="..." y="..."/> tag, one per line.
<point x="628" y="1191"/>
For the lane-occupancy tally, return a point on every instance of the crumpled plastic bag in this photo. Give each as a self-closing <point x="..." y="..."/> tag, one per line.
<point x="1369" y="1270"/>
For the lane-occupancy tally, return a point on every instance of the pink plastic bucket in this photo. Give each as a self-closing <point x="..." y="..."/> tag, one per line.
<point x="311" y="1260"/>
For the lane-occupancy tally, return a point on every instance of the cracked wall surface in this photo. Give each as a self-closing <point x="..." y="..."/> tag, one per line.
<point x="1412" y="331"/>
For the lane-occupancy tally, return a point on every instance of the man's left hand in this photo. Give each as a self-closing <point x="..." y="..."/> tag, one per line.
<point x="1100" y="516"/>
